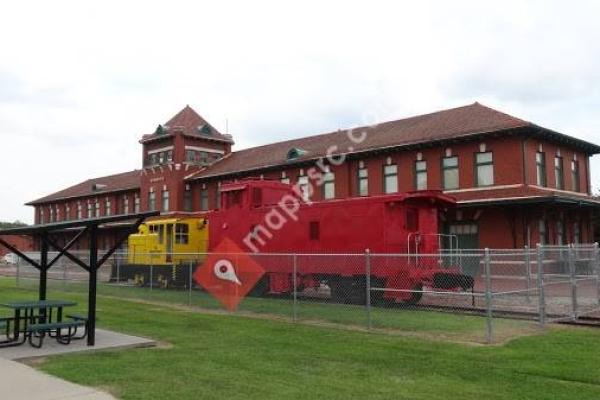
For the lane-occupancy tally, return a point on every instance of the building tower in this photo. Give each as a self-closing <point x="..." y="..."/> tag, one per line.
<point x="185" y="144"/>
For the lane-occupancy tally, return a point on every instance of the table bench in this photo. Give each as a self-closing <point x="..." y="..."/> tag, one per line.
<point x="39" y="332"/>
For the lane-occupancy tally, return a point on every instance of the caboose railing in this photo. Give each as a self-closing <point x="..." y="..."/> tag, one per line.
<point x="452" y="251"/>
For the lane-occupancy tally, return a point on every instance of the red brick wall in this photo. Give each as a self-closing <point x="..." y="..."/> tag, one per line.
<point x="23" y="243"/>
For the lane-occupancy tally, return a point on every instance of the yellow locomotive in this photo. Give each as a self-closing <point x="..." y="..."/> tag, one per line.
<point x="165" y="249"/>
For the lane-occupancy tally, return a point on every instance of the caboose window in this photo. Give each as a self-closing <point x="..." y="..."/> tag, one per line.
<point x="575" y="175"/>
<point x="233" y="198"/>
<point x="182" y="232"/>
<point x="412" y="220"/>
<point x="256" y="197"/>
<point x="313" y="230"/>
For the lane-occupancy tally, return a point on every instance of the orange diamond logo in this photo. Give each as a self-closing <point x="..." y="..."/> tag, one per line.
<point x="228" y="274"/>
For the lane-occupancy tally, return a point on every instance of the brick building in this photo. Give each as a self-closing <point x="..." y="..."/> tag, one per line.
<point x="516" y="183"/>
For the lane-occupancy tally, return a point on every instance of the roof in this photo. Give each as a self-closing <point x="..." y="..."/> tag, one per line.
<point x="190" y="123"/>
<point x="96" y="187"/>
<point x="521" y="194"/>
<point x="456" y="123"/>
<point x="81" y="223"/>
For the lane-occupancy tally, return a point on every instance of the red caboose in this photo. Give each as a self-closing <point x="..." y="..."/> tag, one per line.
<point x="269" y="217"/>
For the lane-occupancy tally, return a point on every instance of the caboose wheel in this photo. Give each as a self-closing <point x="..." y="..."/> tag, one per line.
<point x="416" y="296"/>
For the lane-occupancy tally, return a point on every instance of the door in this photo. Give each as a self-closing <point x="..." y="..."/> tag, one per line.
<point x="467" y="238"/>
<point x="169" y="243"/>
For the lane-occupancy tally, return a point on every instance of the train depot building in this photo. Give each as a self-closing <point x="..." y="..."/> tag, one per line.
<point x="516" y="183"/>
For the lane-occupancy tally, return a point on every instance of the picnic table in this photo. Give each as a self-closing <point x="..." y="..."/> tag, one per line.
<point x="34" y="320"/>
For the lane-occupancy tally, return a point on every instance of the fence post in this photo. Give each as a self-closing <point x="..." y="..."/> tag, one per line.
<point x="295" y="287"/>
<point x="540" y="285"/>
<point x="488" y="295"/>
<point x="65" y="265"/>
<point x="118" y="269"/>
<point x="18" y="271"/>
<point x="573" y="275"/>
<point x="368" y="287"/>
<point x="191" y="271"/>
<point x="151" y="273"/>
<point x="597" y="268"/>
<point x="528" y="272"/>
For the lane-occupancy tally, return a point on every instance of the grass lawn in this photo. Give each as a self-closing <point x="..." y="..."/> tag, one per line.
<point x="456" y="327"/>
<point x="236" y="357"/>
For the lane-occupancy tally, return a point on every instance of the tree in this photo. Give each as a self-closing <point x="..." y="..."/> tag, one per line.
<point x="8" y="225"/>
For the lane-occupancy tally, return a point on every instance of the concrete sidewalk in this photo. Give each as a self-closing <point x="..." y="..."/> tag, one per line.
<point x="20" y="382"/>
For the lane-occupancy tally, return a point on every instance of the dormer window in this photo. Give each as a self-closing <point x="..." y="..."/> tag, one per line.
<point x="294" y="153"/>
<point x="205" y="129"/>
<point x="160" y="130"/>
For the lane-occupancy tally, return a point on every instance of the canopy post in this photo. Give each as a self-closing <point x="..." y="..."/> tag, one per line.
<point x="43" y="268"/>
<point x="93" y="265"/>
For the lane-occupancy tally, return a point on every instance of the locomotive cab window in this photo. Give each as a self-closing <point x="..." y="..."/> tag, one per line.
<point x="412" y="219"/>
<point x="313" y="230"/>
<point x="182" y="232"/>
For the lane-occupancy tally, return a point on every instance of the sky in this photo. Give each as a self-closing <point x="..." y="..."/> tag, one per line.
<point x="81" y="82"/>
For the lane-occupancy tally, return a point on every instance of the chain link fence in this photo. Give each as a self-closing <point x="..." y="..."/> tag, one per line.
<point x="479" y="295"/>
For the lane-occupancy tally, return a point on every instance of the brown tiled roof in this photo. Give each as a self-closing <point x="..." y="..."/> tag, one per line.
<point x="113" y="183"/>
<point x="453" y="123"/>
<point x="189" y="122"/>
<point x="516" y="193"/>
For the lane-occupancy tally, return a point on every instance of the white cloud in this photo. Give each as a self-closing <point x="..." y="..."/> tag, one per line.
<point x="81" y="82"/>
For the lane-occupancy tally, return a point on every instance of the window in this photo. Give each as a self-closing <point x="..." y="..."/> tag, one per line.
<point x="41" y="216"/>
<point x="107" y="207"/>
<point x="52" y="214"/>
<point x="204" y="199"/>
<point x="187" y="199"/>
<point x="136" y="203"/>
<point x="304" y="188"/>
<point x="67" y="212"/>
<point x="190" y="155"/>
<point x="328" y="185"/>
<point x="576" y="233"/>
<point x="90" y="212"/>
<point x="560" y="232"/>
<point x="558" y="173"/>
<point x="218" y="197"/>
<point x="182" y="233"/>
<point x="313" y="230"/>
<point x="412" y="219"/>
<point x="165" y="200"/>
<point x="575" y="175"/>
<point x="79" y="211"/>
<point x="97" y="209"/>
<point x="363" y="182"/>
<point x="420" y="175"/>
<point x="233" y="198"/>
<point x="151" y="201"/>
<point x="390" y="179"/>
<point x="543" y="231"/>
<point x="285" y="180"/>
<point x="125" y="209"/>
<point x="450" y="172"/>
<point x="257" y="197"/>
<point x="540" y="165"/>
<point x="484" y="169"/>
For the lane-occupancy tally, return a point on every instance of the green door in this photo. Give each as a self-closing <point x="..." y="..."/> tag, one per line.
<point x="467" y="236"/>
